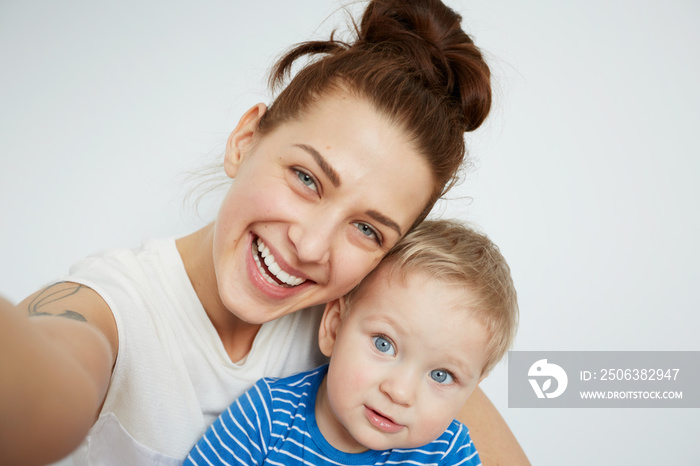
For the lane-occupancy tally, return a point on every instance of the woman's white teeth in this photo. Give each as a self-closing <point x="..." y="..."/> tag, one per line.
<point x="273" y="267"/>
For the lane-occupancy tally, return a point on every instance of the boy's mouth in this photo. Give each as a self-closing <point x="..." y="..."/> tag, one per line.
<point x="268" y="267"/>
<point x="382" y="422"/>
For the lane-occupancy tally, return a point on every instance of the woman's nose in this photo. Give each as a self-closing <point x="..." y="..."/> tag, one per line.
<point x="312" y="237"/>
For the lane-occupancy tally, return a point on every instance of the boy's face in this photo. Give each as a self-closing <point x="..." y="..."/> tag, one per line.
<point x="404" y="361"/>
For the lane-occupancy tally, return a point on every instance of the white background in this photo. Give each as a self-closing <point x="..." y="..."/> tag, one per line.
<point x="586" y="174"/>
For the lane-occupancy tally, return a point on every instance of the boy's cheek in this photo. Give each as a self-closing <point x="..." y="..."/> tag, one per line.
<point x="436" y="421"/>
<point x="359" y="377"/>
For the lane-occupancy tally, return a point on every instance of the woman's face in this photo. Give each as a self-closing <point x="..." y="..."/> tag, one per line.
<point x="314" y="206"/>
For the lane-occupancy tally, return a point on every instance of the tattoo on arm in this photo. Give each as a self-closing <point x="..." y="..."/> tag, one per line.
<point x="53" y="294"/>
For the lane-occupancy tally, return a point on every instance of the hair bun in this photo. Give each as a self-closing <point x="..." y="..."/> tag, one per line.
<point x="429" y="35"/>
<point x="413" y="62"/>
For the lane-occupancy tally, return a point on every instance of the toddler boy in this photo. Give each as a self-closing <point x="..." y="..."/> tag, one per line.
<point x="407" y="347"/>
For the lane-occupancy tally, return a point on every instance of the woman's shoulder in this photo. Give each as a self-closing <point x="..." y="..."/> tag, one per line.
<point x="162" y="249"/>
<point x="134" y="274"/>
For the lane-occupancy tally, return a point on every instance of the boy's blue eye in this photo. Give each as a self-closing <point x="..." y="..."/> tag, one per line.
<point x="306" y="179"/>
<point x="383" y="345"/>
<point x="441" y="376"/>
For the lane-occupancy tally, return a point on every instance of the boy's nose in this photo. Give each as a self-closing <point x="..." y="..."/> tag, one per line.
<point x="400" y="387"/>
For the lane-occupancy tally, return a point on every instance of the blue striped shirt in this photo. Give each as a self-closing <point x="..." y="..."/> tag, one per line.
<point x="274" y="424"/>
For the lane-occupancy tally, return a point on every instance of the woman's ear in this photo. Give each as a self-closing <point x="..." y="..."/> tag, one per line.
<point x="241" y="137"/>
<point x="330" y="322"/>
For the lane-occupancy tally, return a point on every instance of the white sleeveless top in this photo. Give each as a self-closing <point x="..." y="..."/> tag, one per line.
<point x="172" y="376"/>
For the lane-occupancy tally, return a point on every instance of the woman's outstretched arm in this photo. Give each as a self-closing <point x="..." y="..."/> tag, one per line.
<point x="57" y="349"/>
<point x="495" y="442"/>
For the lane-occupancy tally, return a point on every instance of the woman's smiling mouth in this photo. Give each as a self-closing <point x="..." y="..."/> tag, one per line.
<point x="268" y="267"/>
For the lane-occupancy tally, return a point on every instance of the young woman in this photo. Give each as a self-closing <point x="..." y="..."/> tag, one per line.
<point x="134" y="353"/>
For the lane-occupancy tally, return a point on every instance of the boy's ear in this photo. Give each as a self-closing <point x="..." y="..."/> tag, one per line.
<point x="330" y="322"/>
<point x="241" y="137"/>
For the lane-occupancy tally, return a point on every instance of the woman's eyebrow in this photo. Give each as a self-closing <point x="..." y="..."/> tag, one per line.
<point x="325" y="166"/>
<point x="381" y="218"/>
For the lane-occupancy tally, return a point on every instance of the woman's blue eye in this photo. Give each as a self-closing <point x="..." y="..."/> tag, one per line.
<point x="384" y="346"/>
<point x="366" y="230"/>
<point x="307" y="179"/>
<point x="441" y="376"/>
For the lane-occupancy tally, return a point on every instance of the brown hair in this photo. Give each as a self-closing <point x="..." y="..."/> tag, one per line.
<point x="449" y="251"/>
<point x="414" y="63"/>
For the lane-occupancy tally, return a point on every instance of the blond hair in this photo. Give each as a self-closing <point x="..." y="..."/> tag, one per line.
<point x="450" y="251"/>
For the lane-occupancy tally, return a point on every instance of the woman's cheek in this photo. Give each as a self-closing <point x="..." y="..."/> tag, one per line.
<point x="348" y="274"/>
<point x="360" y="259"/>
